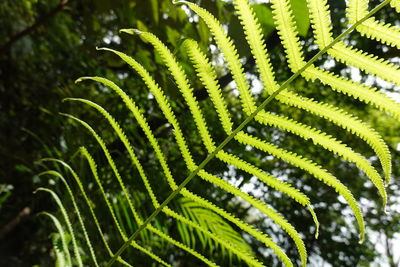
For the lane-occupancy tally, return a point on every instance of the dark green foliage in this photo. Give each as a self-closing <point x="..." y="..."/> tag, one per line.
<point x="39" y="69"/>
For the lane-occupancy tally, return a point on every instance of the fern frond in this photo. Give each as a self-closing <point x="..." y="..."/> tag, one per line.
<point x="77" y="179"/>
<point x="67" y="221"/>
<point x="77" y="211"/>
<point x="287" y="31"/>
<point x="198" y="216"/>
<point x="333" y="114"/>
<point x="362" y="92"/>
<point x="396" y="5"/>
<point x="186" y="193"/>
<point x="136" y="215"/>
<point x="186" y="90"/>
<point x="339" y="117"/>
<point x="320" y="18"/>
<point x="230" y="53"/>
<point x="215" y="223"/>
<point x="168" y="211"/>
<point x="183" y="147"/>
<point x="372" y="28"/>
<point x="61" y="232"/>
<point x="94" y="171"/>
<point x="208" y="77"/>
<point x="358" y="91"/>
<point x="134" y="159"/>
<point x="264" y="208"/>
<point x="142" y="122"/>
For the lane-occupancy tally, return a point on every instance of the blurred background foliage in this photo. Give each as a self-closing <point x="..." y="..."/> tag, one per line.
<point x="46" y="44"/>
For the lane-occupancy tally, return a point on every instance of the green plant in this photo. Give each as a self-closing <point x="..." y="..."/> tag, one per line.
<point x="208" y="214"/>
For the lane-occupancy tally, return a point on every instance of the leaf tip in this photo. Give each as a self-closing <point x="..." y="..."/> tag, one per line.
<point x="80" y="79"/>
<point x="131" y="31"/>
<point x="179" y="2"/>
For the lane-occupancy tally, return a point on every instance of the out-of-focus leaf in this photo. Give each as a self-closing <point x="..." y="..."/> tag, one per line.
<point x="265" y="17"/>
<point x="141" y="26"/>
<point x="301" y="16"/>
<point x="235" y="30"/>
<point x="144" y="57"/>
<point x="155" y="10"/>
<point x="203" y="32"/>
<point x="173" y="36"/>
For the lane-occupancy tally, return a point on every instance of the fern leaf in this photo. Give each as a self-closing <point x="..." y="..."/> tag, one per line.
<point x="185" y="151"/>
<point x="362" y="92"/>
<point x="395" y="4"/>
<point x="319" y="13"/>
<point x="254" y="37"/>
<point x="78" y="213"/>
<point x="287" y="31"/>
<point x="136" y="162"/>
<point x="335" y="115"/>
<point x="198" y="216"/>
<point x="61" y="232"/>
<point x="148" y="133"/>
<point x="168" y="211"/>
<point x="67" y="221"/>
<point x="208" y="77"/>
<point x="186" y="91"/>
<point x="372" y="28"/>
<point x="136" y="215"/>
<point x="340" y="84"/>
<point x="186" y="193"/>
<point x="276" y="217"/>
<point x="92" y="164"/>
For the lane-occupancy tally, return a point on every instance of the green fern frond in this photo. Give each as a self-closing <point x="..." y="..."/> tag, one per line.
<point x="396" y="5"/>
<point x="342" y="85"/>
<point x="208" y="77"/>
<point x="331" y="113"/>
<point x="181" y="142"/>
<point x="195" y="198"/>
<point x="277" y="218"/>
<point x="320" y="18"/>
<point x="372" y="28"/>
<point x="76" y="209"/>
<point x="168" y="211"/>
<point x="204" y="216"/>
<point x="290" y="42"/>
<point x="135" y="213"/>
<point x="62" y="252"/>
<point x="197" y="216"/>
<point x="362" y="92"/>
<point x="186" y="90"/>
<point x="92" y="164"/>
<point x="67" y="221"/>
<point x="127" y="145"/>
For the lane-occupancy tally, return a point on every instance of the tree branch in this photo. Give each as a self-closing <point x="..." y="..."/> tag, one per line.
<point x="14" y="222"/>
<point x="42" y="20"/>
